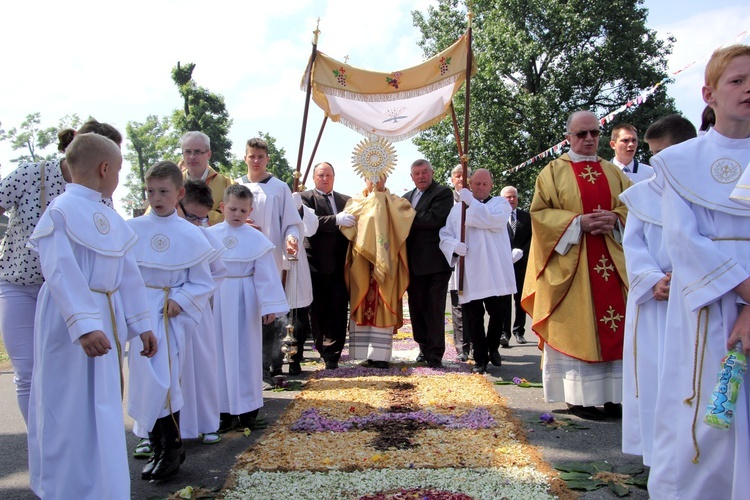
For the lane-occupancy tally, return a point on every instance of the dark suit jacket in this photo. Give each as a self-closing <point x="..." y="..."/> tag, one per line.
<point x="326" y="249"/>
<point x="423" y="243"/>
<point x="521" y="240"/>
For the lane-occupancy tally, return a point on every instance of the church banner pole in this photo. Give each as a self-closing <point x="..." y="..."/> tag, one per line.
<point x="465" y="155"/>
<point x="308" y="92"/>
<point x="456" y="132"/>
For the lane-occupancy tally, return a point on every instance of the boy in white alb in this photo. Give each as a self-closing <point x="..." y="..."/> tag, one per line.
<point x="173" y="257"/>
<point x="276" y="215"/>
<point x="649" y="273"/>
<point x="707" y="236"/>
<point x="92" y="301"/>
<point x="250" y="296"/>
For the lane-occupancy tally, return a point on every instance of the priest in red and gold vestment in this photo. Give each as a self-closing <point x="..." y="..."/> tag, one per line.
<point x="576" y="283"/>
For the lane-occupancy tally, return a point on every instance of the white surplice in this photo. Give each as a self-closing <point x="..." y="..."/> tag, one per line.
<point x="251" y="290"/>
<point x="646" y="262"/>
<point x="276" y="215"/>
<point x="488" y="261"/>
<point x="173" y="257"/>
<point x="76" y="427"/>
<point x="707" y="237"/>
<point x="200" y="377"/>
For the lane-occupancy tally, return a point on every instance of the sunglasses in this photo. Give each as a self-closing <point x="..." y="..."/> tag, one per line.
<point x="583" y="133"/>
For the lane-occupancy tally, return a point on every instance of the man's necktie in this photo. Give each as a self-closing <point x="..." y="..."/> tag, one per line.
<point x="513" y="222"/>
<point x="329" y="197"/>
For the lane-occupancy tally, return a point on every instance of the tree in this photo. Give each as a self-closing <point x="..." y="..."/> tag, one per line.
<point x="203" y="111"/>
<point x="537" y="61"/>
<point x="33" y="139"/>
<point x="278" y="165"/>
<point x="148" y="142"/>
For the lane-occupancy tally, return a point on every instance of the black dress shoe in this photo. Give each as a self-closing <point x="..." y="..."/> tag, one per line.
<point x="479" y="369"/>
<point x="434" y="363"/>
<point x="227" y="422"/>
<point x="504" y="340"/>
<point x="463" y="357"/>
<point x="294" y="368"/>
<point x="520" y="339"/>
<point x="495" y="358"/>
<point x="276" y="371"/>
<point x="169" y="463"/>
<point x="586" y="412"/>
<point x="420" y="358"/>
<point x="148" y="469"/>
<point x="247" y="420"/>
<point x="613" y="410"/>
<point x="332" y="365"/>
<point x="383" y="365"/>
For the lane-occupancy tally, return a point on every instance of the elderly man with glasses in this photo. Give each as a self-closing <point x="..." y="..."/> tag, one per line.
<point x="576" y="282"/>
<point x="196" y="151"/>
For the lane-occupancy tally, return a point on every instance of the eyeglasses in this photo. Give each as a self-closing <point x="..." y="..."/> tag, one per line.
<point x="194" y="152"/>
<point x="192" y="217"/>
<point x="583" y="133"/>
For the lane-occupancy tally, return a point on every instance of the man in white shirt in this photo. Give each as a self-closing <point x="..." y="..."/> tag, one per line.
<point x="624" y="142"/>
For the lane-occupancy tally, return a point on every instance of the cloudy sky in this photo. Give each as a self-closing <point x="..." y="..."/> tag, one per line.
<point x="114" y="63"/>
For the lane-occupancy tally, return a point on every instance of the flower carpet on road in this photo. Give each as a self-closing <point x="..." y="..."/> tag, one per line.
<point x="406" y="432"/>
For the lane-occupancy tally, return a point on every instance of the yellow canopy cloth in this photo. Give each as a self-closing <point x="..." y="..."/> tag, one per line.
<point x="377" y="248"/>
<point x="395" y="105"/>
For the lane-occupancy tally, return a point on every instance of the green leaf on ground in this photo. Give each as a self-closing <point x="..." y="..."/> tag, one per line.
<point x="618" y="489"/>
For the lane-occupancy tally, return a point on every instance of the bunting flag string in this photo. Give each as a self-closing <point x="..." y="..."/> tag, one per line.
<point x="608" y="118"/>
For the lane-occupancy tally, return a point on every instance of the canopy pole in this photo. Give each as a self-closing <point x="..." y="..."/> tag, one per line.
<point x="308" y="92"/>
<point x="465" y="155"/>
<point x="315" y="149"/>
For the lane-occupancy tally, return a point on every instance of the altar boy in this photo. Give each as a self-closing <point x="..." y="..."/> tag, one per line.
<point x="250" y="295"/>
<point x="173" y="257"/>
<point x="707" y="237"/>
<point x="91" y="302"/>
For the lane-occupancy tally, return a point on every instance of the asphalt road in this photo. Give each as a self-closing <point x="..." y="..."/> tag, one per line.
<point x="209" y="465"/>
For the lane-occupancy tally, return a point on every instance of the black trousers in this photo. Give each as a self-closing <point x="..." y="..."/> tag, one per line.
<point x="461" y="338"/>
<point x="273" y="358"/>
<point x="496" y="307"/>
<point x="427" y="310"/>
<point x="329" y="314"/>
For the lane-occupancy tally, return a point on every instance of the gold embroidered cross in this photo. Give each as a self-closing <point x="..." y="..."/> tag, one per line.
<point x="612" y="320"/>
<point x="604" y="268"/>
<point x="590" y="174"/>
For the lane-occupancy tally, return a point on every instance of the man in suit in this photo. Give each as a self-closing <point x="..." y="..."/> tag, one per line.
<point x="519" y="228"/>
<point x="429" y="272"/>
<point x="326" y="253"/>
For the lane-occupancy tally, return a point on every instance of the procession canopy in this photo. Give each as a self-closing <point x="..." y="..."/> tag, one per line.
<point x="393" y="105"/>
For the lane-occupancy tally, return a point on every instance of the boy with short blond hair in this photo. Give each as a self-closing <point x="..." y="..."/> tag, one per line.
<point x="250" y="296"/>
<point x="91" y="303"/>
<point x="707" y="237"/>
<point x="173" y="257"/>
<point x="276" y="214"/>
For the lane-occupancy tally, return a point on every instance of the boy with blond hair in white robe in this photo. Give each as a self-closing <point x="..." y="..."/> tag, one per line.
<point x="707" y="236"/>
<point x="91" y="303"/>
<point x="250" y="296"/>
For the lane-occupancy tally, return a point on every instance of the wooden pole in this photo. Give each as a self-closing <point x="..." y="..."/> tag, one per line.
<point x="308" y="92"/>
<point x="465" y="155"/>
<point x="315" y="149"/>
<point x="457" y="133"/>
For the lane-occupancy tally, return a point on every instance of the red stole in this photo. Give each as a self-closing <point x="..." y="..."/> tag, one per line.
<point x="606" y="286"/>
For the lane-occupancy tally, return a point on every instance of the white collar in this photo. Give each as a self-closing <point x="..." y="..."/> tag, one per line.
<point x="576" y="157"/>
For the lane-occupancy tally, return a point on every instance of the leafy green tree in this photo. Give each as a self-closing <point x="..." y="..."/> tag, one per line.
<point x="537" y="61"/>
<point x="205" y="112"/>
<point x="277" y="162"/>
<point x="148" y="142"/>
<point x="34" y="140"/>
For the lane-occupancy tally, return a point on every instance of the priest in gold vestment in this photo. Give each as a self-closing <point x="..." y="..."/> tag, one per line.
<point x="376" y="272"/>
<point x="576" y="282"/>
